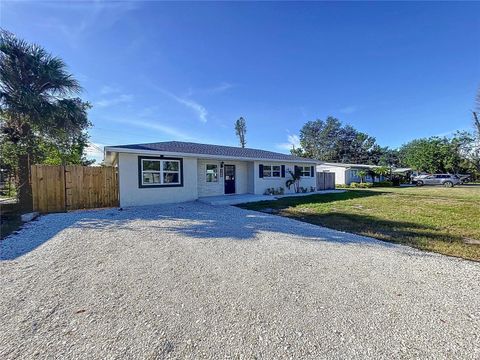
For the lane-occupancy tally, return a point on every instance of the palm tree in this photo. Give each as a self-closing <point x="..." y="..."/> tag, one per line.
<point x="33" y="85"/>
<point x="296" y="176"/>
<point x="362" y="174"/>
<point x="241" y="131"/>
<point x="382" y="171"/>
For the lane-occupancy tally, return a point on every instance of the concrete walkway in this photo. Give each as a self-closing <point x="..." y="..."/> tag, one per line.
<point x="236" y="199"/>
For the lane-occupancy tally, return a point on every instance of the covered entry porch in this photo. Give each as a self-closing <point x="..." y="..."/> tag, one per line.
<point x="224" y="177"/>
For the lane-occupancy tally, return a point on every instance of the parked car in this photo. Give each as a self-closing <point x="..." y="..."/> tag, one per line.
<point x="446" y="180"/>
<point x="464" y="178"/>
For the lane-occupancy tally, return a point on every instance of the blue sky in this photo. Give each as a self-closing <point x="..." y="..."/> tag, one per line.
<point x="186" y="71"/>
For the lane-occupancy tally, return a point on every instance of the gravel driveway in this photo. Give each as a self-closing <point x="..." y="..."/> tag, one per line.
<point x="196" y="281"/>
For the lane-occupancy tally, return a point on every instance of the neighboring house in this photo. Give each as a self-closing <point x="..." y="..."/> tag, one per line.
<point x="348" y="173"/>
<point x="405" y="172"/>
<point x="173" y="171"/>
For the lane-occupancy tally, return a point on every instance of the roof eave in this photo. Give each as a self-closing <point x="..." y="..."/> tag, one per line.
<point x="111" y="149"/>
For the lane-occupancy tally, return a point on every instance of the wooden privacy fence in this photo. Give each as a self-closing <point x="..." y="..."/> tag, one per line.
<point x="71" y="187"/>
<point x="325" y="180"/>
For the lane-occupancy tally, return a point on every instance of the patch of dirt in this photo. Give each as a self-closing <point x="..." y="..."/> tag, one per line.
<point x="471" y="241"/>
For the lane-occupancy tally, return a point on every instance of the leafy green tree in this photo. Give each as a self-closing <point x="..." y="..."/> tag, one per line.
<point x="386" y="157"/>
<point x="468" y="147"/>
<point x="241" y="131"/>
<point x="36" y="107"/>
<point x="297" y="151"/>
<point x="432" y="155"/>
<point x="330" y="140"/>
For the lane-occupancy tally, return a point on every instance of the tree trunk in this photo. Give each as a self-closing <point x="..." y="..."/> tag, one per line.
<point x="24" y="187"/>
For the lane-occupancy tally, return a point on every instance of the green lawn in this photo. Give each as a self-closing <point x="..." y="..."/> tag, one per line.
<point x="429" y="218"/>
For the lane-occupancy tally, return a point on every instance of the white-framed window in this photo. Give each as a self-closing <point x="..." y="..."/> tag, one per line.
<point x="211" y="173"/>
<point x="160" y="172"/>
<point x="272" y="171"/>
<point x="305" y="171"/>
<point x="354" y="173"/>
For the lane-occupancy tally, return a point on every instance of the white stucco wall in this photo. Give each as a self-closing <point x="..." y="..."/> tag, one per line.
<point x="340" y="173"/>
<point x="132" y="195"/>
<point x="251" y="177"/>
<point x="349" y="178"/>
<point x="343" y="176"/>
<point x="261" y="184"/>
<point x="218" y="188"/>
<point x="247" y="180"/>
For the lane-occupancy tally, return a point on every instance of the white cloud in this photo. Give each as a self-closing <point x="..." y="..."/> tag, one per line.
<point x="198" y="108"/>
<point x="107" y="89"/>
<point x="191" y="104"/>
<point x="220" y="88"/>
<point x="176" y="134"/>
<point x="348" y="109"/>
<point x="224" y="86"/>
<point x="450" y="133"/>
<point x="292" y="141"/>
<point x="90" y="17"/>
<point x="122" y="98"/>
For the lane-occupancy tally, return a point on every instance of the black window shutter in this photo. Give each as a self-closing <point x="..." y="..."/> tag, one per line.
<point x="295" y="170"/>
<point x="283" y="170"/>
<point x="260" y="170"/>
<point x="312" y="171"/>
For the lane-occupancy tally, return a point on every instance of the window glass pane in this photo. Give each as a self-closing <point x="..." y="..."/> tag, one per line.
<point x="151" y="178"/>
<point x="305" y="171"/>
<point x="212" y="173"/>
<point x="170" y="165"/>
<point x="275" y="171"/>
<point x="151" y="165"/>
<point x="170" y="178"/>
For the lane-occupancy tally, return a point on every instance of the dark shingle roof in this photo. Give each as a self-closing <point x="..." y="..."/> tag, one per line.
<point x="207" y="149"/>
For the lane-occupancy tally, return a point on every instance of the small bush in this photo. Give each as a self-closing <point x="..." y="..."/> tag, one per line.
<point x="383" y="184"/>
<point x="273" y="191"/>
<point x="354" y="185"/>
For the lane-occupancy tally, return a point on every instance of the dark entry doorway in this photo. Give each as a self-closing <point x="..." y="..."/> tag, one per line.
<point x="229" y="179"/>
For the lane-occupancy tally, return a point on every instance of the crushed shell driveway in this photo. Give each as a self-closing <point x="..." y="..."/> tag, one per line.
<point x="197" y="281"/>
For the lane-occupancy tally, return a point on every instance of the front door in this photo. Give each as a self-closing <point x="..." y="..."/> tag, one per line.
<point x="229" y="179"/>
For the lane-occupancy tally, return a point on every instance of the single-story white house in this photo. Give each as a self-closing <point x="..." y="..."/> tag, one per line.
<point x="345" y="174"/>
<point x="174" y="171"/>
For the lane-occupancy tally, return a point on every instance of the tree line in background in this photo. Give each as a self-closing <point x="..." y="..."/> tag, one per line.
<point x="42" y="120"/>
<point x="331" y="141"/>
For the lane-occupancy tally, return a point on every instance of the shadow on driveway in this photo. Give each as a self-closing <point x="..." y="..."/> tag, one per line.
<point x="194" y="220"/>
